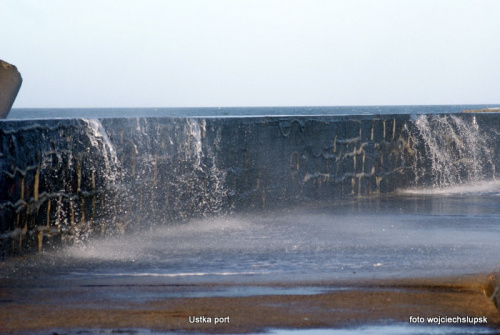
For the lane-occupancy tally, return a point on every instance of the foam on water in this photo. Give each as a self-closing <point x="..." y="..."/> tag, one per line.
<point x="491" y="187"/>
<point x="170" y="275"/>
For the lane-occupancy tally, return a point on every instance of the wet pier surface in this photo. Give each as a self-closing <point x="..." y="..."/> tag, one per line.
<point x="78" y="308"/>
<point x="373" y="261"/>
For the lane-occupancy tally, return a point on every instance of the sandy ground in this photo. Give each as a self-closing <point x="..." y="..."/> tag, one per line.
<point x="27" y="309"/>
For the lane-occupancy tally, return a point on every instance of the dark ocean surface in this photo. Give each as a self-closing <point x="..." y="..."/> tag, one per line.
<point x="50" y="113"/>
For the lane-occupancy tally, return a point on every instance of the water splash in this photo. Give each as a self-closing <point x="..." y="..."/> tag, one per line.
<point x="455" y="150"/>
<point x="171" y="171"/>
<point x="211" y="196"/>
<point x="195" y="131"/>
<point x="100" y="140"/>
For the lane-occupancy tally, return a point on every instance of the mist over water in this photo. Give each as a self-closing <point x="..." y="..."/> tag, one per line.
<point x="409" y="235"/>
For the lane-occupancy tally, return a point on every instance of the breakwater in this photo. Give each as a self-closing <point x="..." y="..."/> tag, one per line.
<point x="65" y="180"/>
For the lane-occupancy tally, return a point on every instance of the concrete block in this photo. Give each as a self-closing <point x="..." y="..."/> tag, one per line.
<point x="10" y="83"/>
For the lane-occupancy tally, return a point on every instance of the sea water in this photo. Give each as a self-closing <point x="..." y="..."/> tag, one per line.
<point x="50" y="113"/>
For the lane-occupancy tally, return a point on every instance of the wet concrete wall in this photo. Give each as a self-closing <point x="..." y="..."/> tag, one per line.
<point x="65" y="180"/>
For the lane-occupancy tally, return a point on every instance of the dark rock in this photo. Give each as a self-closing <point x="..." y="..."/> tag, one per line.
<point x="491" y="289"/>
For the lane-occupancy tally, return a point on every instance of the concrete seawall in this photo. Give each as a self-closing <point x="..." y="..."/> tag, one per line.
<point x="68" y="179"/>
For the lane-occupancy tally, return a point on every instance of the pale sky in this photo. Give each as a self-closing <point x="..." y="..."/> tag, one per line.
<point x="219" y="53"/>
